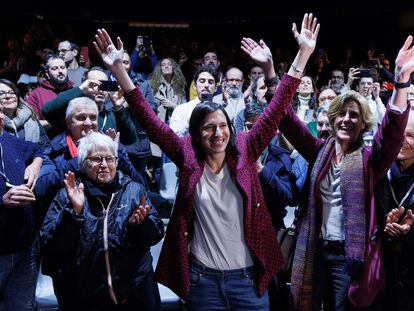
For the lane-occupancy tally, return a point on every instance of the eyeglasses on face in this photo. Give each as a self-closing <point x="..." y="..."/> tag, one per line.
<point x="97" y="160"/>
<point x="64" y="51"/>
<point x="5" y="93"/>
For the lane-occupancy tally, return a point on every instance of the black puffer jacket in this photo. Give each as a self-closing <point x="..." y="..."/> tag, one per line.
<point x="73" y="245"/>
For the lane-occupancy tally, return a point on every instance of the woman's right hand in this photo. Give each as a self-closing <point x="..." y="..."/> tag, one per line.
<point x="75" y="192"/>
<point x="404" y="63"/>
<point x="111" y="56"/>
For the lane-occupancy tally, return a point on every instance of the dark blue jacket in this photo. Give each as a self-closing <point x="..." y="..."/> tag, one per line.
<point x="141" y="148"/>
<point x="278" y="182"/>
<point x="16" y="224"/>
<point x="75" y="242"/>
<point x="58" y="161"/>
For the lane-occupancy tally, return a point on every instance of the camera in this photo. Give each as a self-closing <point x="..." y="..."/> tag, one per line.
<point x="147" y="41"/>
<point x="363" y="72"/>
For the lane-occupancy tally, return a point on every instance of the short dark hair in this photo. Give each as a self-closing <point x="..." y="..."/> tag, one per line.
<point x="253" y="109"/>
<point x="200" y="112"/>
<point x="49" y="57"/>
<point x="207" y="68"/>
<point x="94" y="68"/>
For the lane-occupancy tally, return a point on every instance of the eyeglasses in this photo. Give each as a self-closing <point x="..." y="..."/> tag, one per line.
<point x="97" y="160"/>
<point x="234" y="80"/>
<point x="64" y="51"/>
<point x="5" y="93"/>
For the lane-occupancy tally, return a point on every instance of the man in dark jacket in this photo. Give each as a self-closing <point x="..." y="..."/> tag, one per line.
<point x="394" y="196"/>
<point x="20" y="164"/>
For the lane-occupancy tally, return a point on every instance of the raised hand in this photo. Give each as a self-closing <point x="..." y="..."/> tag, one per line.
<point x="88" y="87"/>
<point x="306" y="39"/>
<point x="404" y="63"/>
<point x="75" y="192"/>
<point x="110" y="55"/>
<point x="140" y="213"/>
<point x="260" y="53"/>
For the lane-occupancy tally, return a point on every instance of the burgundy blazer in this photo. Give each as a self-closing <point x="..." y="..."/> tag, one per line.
<point x="173" y="265"/>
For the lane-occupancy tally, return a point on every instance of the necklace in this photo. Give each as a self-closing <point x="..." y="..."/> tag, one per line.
<point x="393" y="192"/>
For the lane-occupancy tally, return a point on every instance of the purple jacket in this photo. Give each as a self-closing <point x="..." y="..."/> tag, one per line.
<point x="173" y="265"/>
<point x="376" y="161"/>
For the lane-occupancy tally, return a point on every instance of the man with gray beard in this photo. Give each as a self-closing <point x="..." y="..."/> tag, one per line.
<point x="232" y="97"/>
<point x="56" y="82"/>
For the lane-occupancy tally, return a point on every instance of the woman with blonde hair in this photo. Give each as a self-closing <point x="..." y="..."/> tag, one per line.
<point x="168" y="84"/>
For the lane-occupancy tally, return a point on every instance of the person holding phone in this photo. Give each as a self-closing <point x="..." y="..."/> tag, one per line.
<point x="220" y="235"/>
<point x="143" y="57"/>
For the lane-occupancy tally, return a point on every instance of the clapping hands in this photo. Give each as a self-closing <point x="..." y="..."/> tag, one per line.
<point x="394" y="227"/>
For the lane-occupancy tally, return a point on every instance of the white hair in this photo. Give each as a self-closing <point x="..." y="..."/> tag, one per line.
<point x="80" y="102"/>
<point x="92" y="141"/>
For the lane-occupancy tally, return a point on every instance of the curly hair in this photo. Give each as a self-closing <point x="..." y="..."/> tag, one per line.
<point x="178" y="81"/>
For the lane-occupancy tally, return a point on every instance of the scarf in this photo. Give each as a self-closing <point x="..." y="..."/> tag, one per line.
<point x="24" y="119"/>
<point x="352" y="185"/>
<point x="73" y="149"/>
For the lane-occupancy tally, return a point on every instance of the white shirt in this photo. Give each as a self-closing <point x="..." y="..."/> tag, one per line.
<point x="180" y="118"/>
<point x="218" y="240"/>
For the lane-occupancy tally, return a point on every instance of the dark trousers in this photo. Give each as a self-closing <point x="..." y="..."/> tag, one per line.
<point x="333" y="280"/>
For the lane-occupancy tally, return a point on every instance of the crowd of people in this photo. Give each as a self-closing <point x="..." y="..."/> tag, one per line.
<point x="84" y="140"/>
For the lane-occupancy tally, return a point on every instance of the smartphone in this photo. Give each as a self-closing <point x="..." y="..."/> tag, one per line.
<point x="363" y="72"/>
<point x="85" y="53"/>
<point x="110" y="86"/>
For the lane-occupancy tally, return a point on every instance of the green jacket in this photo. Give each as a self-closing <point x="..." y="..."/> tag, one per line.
<point x="55" y="111"/>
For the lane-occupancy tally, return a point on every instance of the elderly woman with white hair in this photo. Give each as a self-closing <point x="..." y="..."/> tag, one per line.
<point x="101" y="227"/>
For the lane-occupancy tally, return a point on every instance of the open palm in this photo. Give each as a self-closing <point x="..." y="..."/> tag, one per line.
<point x="404" y="62"/>
<point x="306" y="39"/>
<point x="107" y="50"/>
<point x="260" y="53"/>
<point x="75" y="192"/>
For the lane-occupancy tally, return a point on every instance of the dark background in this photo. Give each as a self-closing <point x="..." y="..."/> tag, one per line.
<point x="361" y="24"/>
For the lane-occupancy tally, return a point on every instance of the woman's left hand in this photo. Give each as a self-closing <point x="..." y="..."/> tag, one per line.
<point x="306" y="39"/>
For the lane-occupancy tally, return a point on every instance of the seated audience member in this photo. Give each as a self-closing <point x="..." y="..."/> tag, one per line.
<point x="98" y="232"/>
<point x="20" y="165"/>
